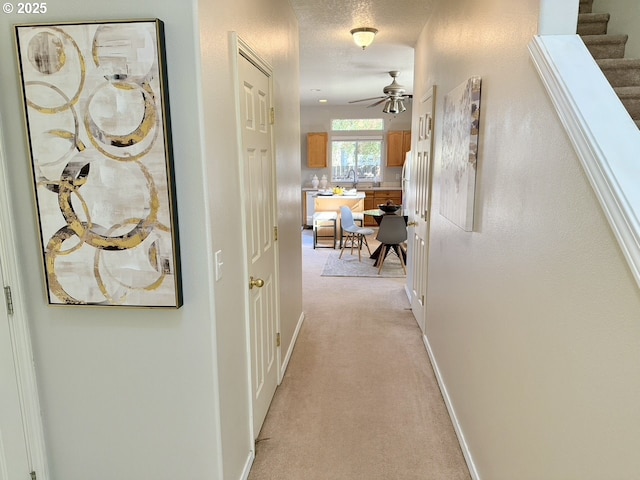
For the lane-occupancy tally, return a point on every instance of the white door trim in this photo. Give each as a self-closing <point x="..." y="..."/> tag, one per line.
<point x="20" y="335"/>
<point x="241" y="47"/>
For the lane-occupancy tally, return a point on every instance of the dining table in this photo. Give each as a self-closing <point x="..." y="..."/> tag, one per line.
<point x="378" y="215"/>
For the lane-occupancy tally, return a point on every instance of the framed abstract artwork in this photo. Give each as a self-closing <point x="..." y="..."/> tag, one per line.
<point x="97" y="121"/>
<point x="460" y="127"/>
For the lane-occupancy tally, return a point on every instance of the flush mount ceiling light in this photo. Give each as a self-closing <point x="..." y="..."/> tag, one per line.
<point x="363" y="36"/>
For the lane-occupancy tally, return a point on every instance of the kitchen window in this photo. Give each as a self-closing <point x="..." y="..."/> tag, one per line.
<point x="360" y="155"/>
<point x="356" y="146"/>
<point x="357" y="124"/>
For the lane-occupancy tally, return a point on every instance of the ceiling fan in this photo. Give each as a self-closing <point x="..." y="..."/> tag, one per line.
<point x="394" y="96"/>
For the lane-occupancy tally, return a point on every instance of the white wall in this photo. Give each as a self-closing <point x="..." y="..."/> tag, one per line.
<point x="318" y="119"/>
<point x="271" y="29"/>
<point x="286" y="62"/>
<point x="625" y="18"/>
<point x="135" y="394"/>
<point x="533" y="317"/>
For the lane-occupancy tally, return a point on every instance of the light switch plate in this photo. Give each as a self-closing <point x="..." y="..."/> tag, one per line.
<point x="219" y="264"/>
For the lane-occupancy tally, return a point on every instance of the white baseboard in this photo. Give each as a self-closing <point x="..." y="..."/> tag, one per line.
<point x="248" y="465"/>
<point x="285" y="363"/>
<point x="454" y="420"/>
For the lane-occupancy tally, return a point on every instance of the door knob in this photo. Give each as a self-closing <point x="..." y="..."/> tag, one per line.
<point x="412" y="224"/>
<point x="255" y="282"/>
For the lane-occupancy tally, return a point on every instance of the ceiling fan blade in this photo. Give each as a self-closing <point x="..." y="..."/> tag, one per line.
<point x="365" y="99"/>
<point x="377" y="103"/>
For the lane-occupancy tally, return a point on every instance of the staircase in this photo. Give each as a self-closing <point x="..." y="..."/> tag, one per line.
<point x="608" y="50"/>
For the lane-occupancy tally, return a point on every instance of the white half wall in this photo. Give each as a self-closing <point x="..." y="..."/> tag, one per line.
<point x="558" y="17"/>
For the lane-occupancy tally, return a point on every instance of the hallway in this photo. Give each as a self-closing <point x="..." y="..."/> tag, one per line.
<point x="359" y="399"/>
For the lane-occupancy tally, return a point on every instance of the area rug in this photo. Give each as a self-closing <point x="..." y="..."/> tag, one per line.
<point x="349" y="266"/>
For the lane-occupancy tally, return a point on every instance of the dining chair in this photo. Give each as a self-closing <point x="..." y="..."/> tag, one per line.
<point x="391" y="235"/>
<point x="353" y="232"/>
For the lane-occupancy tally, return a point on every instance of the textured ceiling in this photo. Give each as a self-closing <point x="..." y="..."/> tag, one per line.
<point x="331" y="63"/>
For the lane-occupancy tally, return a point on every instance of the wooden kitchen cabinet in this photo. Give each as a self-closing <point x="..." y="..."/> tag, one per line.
<point x="406" y="142"/>
<point x="369" y="204"/>
<point x="317" y="149"/>
<point x="377" y="197"/>
<point x="398" y="144"/>
<point x="383" y="196"/>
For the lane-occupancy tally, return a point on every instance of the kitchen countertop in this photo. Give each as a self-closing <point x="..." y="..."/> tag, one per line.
<point x="362" y="189"/>
<point x="358" y="194"/>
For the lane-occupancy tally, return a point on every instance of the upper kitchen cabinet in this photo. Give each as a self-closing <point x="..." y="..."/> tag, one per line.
<point x="317" y="149"/>
<point x="398" y="144"/>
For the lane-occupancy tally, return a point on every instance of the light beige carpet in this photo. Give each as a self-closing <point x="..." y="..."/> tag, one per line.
<point x="359" y="399"/>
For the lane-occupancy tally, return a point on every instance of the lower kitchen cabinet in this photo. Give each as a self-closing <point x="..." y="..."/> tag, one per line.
<point x="377" y="197"/>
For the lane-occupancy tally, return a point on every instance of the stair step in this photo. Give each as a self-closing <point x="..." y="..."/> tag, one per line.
<point x="605" y="46"/>
<point x="592" y="23"/>
<point x="585" y="6"/>
<point x="630" y="98"/>
<point x="621" y="72"/>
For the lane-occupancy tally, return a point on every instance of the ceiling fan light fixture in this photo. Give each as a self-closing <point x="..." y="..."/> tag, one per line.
<point x="393" y="98"/>
<point x="363" y="36"/>
<point x="392" y="106"/>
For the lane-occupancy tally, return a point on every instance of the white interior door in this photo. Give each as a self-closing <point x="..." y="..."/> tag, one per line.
<point x="14" y="461"/>
<point x="418" y="203"/>
<point x="260" y="217"/>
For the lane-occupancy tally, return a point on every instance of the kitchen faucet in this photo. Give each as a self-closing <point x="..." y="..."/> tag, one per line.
<point x="355" y="177"/>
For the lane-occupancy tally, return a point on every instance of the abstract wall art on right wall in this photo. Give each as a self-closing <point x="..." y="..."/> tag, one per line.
<point x="461" y="122"/>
